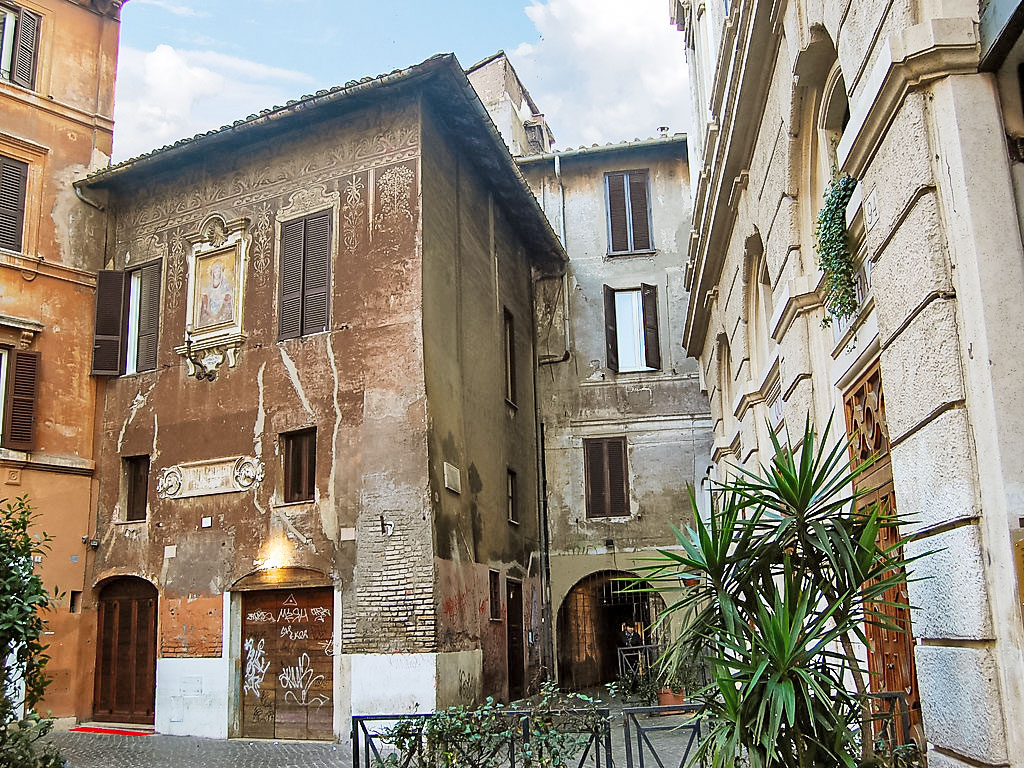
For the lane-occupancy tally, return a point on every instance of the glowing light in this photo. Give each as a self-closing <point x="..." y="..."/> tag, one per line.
<point x="275" y="553"/>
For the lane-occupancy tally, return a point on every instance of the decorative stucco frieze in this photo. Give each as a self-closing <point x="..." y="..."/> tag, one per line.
<point x="206" y="478"/>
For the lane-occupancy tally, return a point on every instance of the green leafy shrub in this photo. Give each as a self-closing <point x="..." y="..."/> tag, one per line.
<point x="23" y="599"/>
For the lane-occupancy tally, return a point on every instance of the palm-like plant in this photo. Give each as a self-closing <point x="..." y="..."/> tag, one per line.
<point x="777" y="586"/>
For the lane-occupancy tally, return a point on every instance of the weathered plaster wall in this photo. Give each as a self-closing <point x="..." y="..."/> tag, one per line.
<point x="663" y="414"/>
<point x="476" y="267"/>
<point x="360" y="384"/>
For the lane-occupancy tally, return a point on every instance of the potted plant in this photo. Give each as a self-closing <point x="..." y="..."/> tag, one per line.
<point x="679" y="674"/>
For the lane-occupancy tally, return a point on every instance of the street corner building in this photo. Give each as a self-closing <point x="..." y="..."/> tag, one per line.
<point x="57" y="64"/>
<point x="920" y="105"/>
<point x="314" y="337"/>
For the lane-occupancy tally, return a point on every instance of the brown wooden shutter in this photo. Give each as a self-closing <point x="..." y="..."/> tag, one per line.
<point x="316" y="273"/>
<point x="107" y="357"/>
<point x="13" y="181"/>
<point x="149" y="317"/>
<point x="290" y="325"/>
<point x="611" y="334"/>
<point x="607" y="481"/>
<point x="20" y="400"/>
<point x="596" y="478"/>
<point x="652" y="345"/>
<point x="639" y="214"/>
<point x="618" y="481"/>
<point x="618" y="227"/>
<point x="26" y="45"/>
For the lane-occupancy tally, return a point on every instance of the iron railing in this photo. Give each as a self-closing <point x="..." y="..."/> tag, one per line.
<point x="638" y="659"/>
<point x="370" y="746"/>
<point x="644" y="748"/>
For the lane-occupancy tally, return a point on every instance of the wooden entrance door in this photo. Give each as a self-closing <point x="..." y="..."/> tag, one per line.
<point x="287" y="664"/>
<point x="890" y="652"/>
<point x="514" y="624"/>
<point x="125" y="689"/>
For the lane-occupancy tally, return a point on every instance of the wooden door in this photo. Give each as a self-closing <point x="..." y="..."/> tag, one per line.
<point x="287" y="664"/>
<point x="516" y="655"/>
<point x="890" y="652"/>
<point x="125" y="688"/>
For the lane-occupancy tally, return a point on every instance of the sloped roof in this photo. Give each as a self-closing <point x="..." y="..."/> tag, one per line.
<point x="652" y="142"/>
<point x="440" y="78"/>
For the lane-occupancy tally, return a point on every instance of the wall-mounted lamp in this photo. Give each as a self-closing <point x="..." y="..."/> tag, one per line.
<point x="201" y="372"/>
<point x="94" y="543"/>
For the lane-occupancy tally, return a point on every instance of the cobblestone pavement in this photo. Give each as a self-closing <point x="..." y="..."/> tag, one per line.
<point x="94" y="750"/>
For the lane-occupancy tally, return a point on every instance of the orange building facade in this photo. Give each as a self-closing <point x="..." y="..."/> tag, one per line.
<point x="57" y="65"/>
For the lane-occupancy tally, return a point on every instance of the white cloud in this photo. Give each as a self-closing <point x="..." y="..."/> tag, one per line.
<point x="605" y="70"/>
<point x="167" y="94"/>
<point x="178" y="9"/>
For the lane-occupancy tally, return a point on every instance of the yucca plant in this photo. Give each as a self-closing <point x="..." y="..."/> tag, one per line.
<point x="777" y="585"/>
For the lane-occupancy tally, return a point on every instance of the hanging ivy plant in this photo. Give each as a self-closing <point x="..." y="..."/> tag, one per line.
<point x="834" y="257"/>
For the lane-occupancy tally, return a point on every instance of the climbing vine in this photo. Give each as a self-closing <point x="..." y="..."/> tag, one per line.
<point x="834" y="257"/>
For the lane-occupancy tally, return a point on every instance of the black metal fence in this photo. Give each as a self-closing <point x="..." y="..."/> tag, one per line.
<point x="662" y="736"/>
<point x="638" y="659"/>
<point x="371" y="747"/>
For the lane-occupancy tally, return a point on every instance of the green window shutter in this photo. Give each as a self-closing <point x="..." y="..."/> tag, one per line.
<point x="316" y="273"/>
<point x="618" y="225"/>
<point x="107" y="358"/>
<point x="149" y="316"/>
<point x="26" y="47"/>
<point x="639" y="212"/>
<point x="20" y="400"/>
<point x="290" y="319"/>
<point x="13" y="183"/>
<point x="611" y="334"/>
<point x="652" y="344"/>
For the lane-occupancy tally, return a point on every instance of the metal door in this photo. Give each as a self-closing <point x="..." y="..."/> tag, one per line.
<point x="516" y="648"/>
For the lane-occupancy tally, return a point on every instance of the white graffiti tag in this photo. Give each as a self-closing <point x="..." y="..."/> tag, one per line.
<point x="256" y="666"/>
<point x="320" y="614"/>
<point x="301" y="678"/>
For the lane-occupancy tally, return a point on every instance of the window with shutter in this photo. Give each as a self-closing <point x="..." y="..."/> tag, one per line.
<point x="305" y="276"/>
<point x="20" y="387"/>
<point x="19" y="45"/>
<point x="136" y="485"/>
<point x="299" y="450"/>
<point x="13" y="186"/>
<point x="632" y="341"/>
<point x="629" y="213"/>
<point x="127" y="320"/>
<point x="606" y="477"/>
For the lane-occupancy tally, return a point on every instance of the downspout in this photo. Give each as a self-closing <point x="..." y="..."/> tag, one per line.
<point x="81" y="196"/>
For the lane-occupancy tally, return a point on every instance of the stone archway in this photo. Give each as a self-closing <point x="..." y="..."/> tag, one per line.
<point x="590" y="624"/>
<point x="125" y="688"/>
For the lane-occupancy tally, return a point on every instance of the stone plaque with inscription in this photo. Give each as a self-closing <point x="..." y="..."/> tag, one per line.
<point x="209" y="477"/>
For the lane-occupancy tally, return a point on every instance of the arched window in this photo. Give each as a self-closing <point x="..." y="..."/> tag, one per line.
<point x="759" y="307"/>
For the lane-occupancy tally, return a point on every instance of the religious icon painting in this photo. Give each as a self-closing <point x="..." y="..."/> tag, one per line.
<point x="215" y="290"/>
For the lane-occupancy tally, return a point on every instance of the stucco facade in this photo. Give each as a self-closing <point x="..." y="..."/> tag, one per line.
<point x="661" y="412"/>
<point x="893" y="95"/>
<point x="432" y="240"/>
<point x="56" y="124"/>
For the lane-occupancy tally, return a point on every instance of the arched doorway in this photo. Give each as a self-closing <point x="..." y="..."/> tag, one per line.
<point x="590" y="627"/>
<point x="125" y="690"/>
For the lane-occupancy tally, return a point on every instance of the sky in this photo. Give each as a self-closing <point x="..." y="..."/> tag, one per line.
<point x="601" y="70"/>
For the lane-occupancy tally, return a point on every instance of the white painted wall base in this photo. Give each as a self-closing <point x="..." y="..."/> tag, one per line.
<point x="400" y="683"/>
<point x="192" y="697"/>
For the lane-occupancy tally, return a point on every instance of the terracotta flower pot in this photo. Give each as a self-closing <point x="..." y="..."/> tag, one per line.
<point x="666" y="698"/>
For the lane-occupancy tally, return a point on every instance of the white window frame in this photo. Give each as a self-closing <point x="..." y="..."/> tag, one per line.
<point x="10" y="20"/>
<point x="131" y="358"/>
<point x="629" y="331"/>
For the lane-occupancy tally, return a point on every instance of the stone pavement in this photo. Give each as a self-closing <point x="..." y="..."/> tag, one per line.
<point x="94" y="750"/>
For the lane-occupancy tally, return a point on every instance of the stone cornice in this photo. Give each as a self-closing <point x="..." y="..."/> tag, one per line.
<point x="923" y="53"/>
<point x="751" y="37"/>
